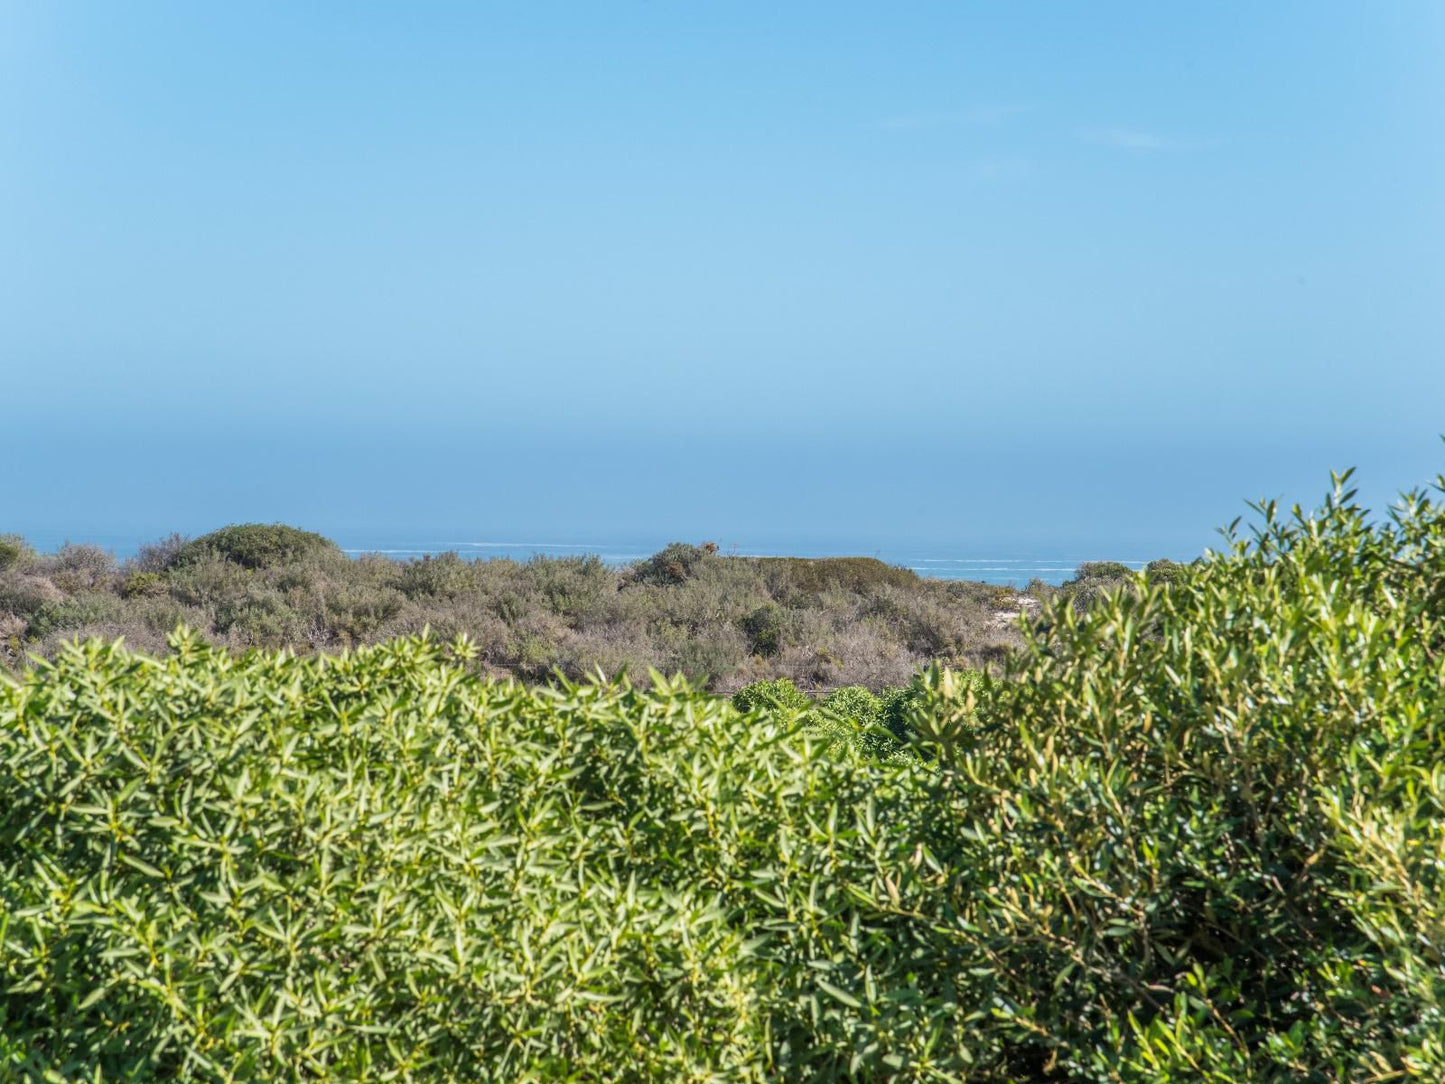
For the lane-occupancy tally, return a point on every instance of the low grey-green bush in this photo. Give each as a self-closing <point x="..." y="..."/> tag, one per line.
<point x="764" y="629"/>
<point x="675" y="563"/>
<point x="93" y="607"/>
<point x="256" y="545"/>
<point x="246" y="587"/>
<point x="14" y="553"/>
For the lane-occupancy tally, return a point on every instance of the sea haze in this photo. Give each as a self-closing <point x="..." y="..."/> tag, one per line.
<point x="932" y="560"/>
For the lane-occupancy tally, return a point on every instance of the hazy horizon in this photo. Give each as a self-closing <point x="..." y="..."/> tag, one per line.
<point x="992" y="276"/>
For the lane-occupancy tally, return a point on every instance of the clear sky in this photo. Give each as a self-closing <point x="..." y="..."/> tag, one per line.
<point x="994" y="273"/>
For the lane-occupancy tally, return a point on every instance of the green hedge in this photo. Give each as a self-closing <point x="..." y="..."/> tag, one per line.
<point x="1198" y="835"/>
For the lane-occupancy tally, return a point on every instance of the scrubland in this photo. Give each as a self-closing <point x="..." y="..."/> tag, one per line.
<point x="723" y="621"/>
<point x="1191" y="829"/>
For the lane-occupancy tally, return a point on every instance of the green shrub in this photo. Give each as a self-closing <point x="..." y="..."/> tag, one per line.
<point x="778" y="694"/>
<point x="1103" y="570"/>
<point x="1165" y="571"/>
<point x="1095" y="581"/>
<point x="92" y="608"/>
<point x="272" y="863"/>
<point x="856" y="714"/>
<point x="260" y="617"/>
<point x="855" y="703"/>
<point x="810" y="575"/>
<point x="208" y="581"/>
<point x="673" y="564"/>
<point x="143" y="585"/>
<point x="710" y="653"/>
<point x="894" y="706"/>
<point x="764" y="629"/>
<point x="24" y="596"/>
<point x="78" y="568"/>
<point x="14" y="553"/>
<point x="1198" y="834"/>
<point x="1219" y="811"/>
<point x="158" y="556"/>
<point x="574" y="587"/>
<point x="354" y="614"/>
<point x="257" y="545"/>
<point x="444" y="575"/>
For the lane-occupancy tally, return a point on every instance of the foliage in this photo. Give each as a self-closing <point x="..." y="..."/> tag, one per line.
<point x="1165" y="571"/>
<point x="256" y="545"/>
<point x="726" y="621"/>
<point x="856" y="703"/>
<point x="1103" y="570"/>
<point x="764" y="629"/>
<point x="1094" y="581"/>
<point x="375" y="866"/>
<point x="73" y="613"/>
<point x="673" y="564"/>
<point x="14" y="553"/>
<point x="779" y="695"/>
<point x="143" y="585"/>
<point x="1201" y="836"/>
<point x="856" y="715"/>
<point x="1198" y="834"/>
<point x="24" y="596"/>
<point x="894" y="706"/>
<point x="812" y="575"/>
<point x="444" y="575"/>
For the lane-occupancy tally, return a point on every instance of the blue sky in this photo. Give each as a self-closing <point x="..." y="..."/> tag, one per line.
<point x="999" y="274"/>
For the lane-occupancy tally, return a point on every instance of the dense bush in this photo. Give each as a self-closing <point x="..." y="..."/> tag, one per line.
<point x="442" y="576"/>
<point x="1102" y="570"/>
<point x="1165" y="571"/>
<point x="856" y="703"/>
<point x="256" y="545"/>
<point x="1199" y="834"/>
<point x="74" y="613"/>
<point x="856" y="714"/>
<point x="377" y="867"/>
<point x="1202" y="837"/>
<point x="24" y="596"/>
<point x="14" y="552"/>
<point x="781" y="694"/>
<point x="764" y="629"/>
<point x="813" y="575"/>
<point x="143" y="585"/>
<point x="673" y="564"/>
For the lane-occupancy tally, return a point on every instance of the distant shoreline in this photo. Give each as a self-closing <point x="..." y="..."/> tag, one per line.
<point x="938" y="561"/>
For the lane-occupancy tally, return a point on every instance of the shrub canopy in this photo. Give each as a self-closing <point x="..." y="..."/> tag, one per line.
<point x="1197" y="836"/>
<point x="14" y="552"/>
<point x="257" y="545"/>
<point x="813" y="574"/>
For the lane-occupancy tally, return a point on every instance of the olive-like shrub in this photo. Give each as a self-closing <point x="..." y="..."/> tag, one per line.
<point x="256" y="545"/>
<point x="378" y="866"/>
<point x="1201" y="835"/>
<point x="1197" y="834"/>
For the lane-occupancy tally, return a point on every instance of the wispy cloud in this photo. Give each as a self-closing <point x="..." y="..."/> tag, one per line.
<point x="976" y="116"/>
<point x="1133" y="139"/>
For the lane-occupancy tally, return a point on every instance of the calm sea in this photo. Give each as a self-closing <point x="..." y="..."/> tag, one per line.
<point x="993" y="565"/>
